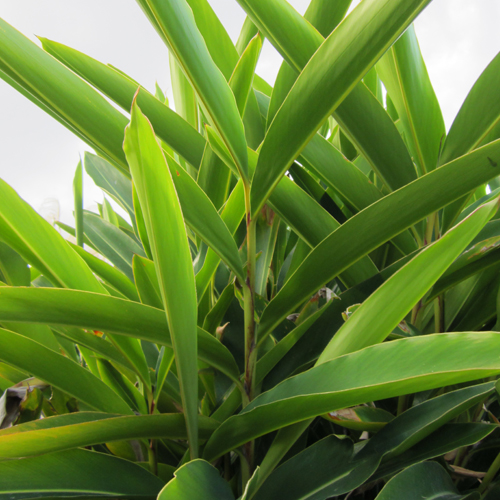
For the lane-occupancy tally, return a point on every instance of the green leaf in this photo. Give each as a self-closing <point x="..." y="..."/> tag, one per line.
<point x="94" y="311"/>
<point x="377" y="317"/>
<point x="396" y="368"/>
<point x="13" y="268"/>
<point x="202" y="217"/>
<point x="392" y="214"/>
<point x="300" y="211"/>
<point x="242" y="77"/>
<point x="447" y="438"/>
<point x="71" y="101"/>
<point x="335" y="73"/>
<point x="248" y="31"/>
<point x="197" y="480"/>
<point x="360" y="115"/>
<point x="403" y="71"/>
<point x="477" y="117"/>
<point x="88" y="428"/>
<point x="78" y="202"/>
<point x="111" y="181"/>
<point x="41" y="245"/>
<point x="323" y="470"/>
<point x="59" y="371"/>
<point x="214" y="178"/>
<point x="146" y="282"/>
<point x="424" y="480"/>
<point x="184" y="96"/>
<point x="176" y="20"/>
<point x="104" y="475"/>
<point x="120" y="88"/>
<point x="108" y="273"/>
<point x="112" y="243"/>
<point x="172" y="257"/>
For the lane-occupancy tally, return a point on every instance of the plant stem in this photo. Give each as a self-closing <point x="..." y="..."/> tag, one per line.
<point x="153" y="462"/>
<point x="439" y="321"/>
<point x="490" y="475"/>
<point x="250" y="344"/>
<point x="249" y="303"/>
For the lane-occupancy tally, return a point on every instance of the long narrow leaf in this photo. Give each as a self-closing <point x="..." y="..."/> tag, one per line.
<point x="172" y="257"/>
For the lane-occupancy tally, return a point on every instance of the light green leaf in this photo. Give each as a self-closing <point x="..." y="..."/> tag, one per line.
<point x="172" y="257"/>
<point x="184" y="96"/>
<point x="78" y="203"/>
<point x="242" y="77"/>
<point x="197" y="480"/>
<point x="104" y="475"/>
<point x="477" y="117"/>
<point x="403" y="71"/>
<point x="177" y="23"/>
<point x="377" y="224"/>
<point x="88" y="428"/>
<point x="396" y="368"/>
<point x="377" y="317"/>
<point x="41" y="245"/>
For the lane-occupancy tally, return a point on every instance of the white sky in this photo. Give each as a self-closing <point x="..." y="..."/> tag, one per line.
<point x="38" y="156"/>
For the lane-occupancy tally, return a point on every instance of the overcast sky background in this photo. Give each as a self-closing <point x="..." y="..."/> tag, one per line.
<point x="38" y="156"/>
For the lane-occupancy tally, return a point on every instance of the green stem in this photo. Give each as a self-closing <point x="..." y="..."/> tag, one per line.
<point x="250" y="345"/>
<point x="439" y="321"/>
<point x="490" y="475"/>
<point x="249" y="303"/>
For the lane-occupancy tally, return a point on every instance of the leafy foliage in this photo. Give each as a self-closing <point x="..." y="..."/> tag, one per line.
<point x="298" y="284"/>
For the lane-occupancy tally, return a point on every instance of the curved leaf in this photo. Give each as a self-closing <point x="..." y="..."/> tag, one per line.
<point x="197" y="480"/>
<point x="94" y="311"/>
<point x="88" y="428"/>
<point x="396" y="368"/>
<point x="203" y="218"/>
<point x="242" y="77"/>
<point x="104" y="475"/>
<point x="59" y="371"/>
<point x="424" y="480"/>
<point x="477" y="117"/>
<point x="169" y="126"/>
<point x="112" y="243"/>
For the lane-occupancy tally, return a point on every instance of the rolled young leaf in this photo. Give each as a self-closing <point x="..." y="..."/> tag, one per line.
<point x="172" y="257"/>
